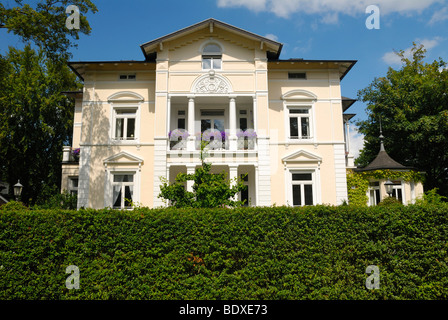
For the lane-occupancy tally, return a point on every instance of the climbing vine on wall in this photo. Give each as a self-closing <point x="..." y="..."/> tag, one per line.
<point x="358" y="182"/>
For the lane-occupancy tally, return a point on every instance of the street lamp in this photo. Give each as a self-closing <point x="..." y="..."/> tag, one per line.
<point x="389" y="184"/>
<point x="17" y="190"/>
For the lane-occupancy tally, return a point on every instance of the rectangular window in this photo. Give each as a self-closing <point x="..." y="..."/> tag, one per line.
<point x="211" y="62"/>
<point x="296" y="75"/>
<point x="245" y="192"/>
<point x="397" y="191"/>
<point x="181" y="121"/>
<point x="217" y="112"/>
<point x="302" y="189"/>
<point x="299" y="123"/>
<point x="243" y="124"/>
<point x="73" y="185"/>
<point x="127" y="77"/>
<point x="125" y="124"/>
<point x="374" y="193"/>
<point x="122" y="190"/>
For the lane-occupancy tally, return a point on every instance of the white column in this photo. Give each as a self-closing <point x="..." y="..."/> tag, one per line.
<point x="190" y="170"/>
<point x="191" y="130"/>
<point x="255" y="114"/>
<point x="232" y="123"/>
<point x="256" y="186"/>
<point x="233" y="174"/>
<point x="168" y="115"/>
<point x="168" y="120"/>
<point x="347" y="136"/>
<point x="66" y="153"/>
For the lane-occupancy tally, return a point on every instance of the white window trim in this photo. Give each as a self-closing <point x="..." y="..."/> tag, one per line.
<point x="178" y="117"/>
<point x="70" y="186"/>
<point x="369" y="189"/>
<point x="289" y="183"/>
<point x="108" y="188"/>
<point x="311" y="115"/>
<point x="402" y="187"/>
<point x="199" y="117"/>
<point x="115" y="106"/>
<point x="201" y="51"/>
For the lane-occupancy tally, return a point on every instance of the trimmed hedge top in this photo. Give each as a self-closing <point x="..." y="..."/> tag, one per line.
<point x="319" y="252"/>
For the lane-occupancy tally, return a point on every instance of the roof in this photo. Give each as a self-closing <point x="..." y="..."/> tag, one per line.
<point x="80" y="67"/>
<point x="347" y="103"/>
<point x="348" y="116"/>
<point x="151" y="47"/>
<point x="383" y="161"/>
<point x="344" y="66"/>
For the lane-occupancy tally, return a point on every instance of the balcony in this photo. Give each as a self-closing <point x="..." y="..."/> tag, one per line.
<point x="70" y="155"/>
<point x="224" y="122"/>
<point x="179" y="139"/>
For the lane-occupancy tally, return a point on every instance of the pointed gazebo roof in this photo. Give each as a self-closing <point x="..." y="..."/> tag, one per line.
<point x="383" y="161"/>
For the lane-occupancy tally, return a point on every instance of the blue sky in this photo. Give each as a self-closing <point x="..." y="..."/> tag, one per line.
<point x="310" y="29"/>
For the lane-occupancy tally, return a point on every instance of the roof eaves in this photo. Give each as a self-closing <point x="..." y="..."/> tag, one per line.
<point x="352" y="63"/>
<point x="206" y="22"/>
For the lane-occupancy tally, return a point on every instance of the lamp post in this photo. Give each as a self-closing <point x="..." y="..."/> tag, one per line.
<point x="17" y="190"/>
<point x="389" y="184"/>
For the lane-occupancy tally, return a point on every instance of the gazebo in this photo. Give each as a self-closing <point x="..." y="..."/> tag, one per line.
<point x="388" y="177"/>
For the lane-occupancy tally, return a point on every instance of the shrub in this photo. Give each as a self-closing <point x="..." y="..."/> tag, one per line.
<point x="390" y="201"/>
<point x="319" y="252"/>
<point x="431" y="197"/>
<point x="14" y="206"/>
<point x="62" y="200"/>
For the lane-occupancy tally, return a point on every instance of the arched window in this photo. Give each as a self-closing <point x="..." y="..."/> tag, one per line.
<point x="211" y="57"/>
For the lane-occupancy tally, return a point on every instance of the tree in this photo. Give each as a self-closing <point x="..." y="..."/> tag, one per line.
<point x="209" y="190"/>
<point x="36" y="120"/>
<point x="412" y="103"/>
<point x="44" y="24"/>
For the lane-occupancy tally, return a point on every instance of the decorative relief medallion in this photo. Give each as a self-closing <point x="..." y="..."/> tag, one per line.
<point x="212" y="85"/>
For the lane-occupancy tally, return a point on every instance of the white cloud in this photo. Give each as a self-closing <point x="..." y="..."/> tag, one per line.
<point x="439" y="16"/>
<point x="391" y="58"/>
<point x="253" y="5"/>
<point x="284" y="8"/>
<point x="271" y="36"/>
<point x="330" y="18"/>
<point x="356" y="141"/>
<point x="303" y="46"/>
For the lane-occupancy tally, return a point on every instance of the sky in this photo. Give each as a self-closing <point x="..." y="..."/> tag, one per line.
<point x="309" y="29"/>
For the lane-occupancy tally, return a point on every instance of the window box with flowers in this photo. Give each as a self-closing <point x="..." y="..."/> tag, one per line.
<point x="246" y="139"/>
<point x="178" y="139"/>
<point x="74" y="156"/>
<point x="214" y="139"/>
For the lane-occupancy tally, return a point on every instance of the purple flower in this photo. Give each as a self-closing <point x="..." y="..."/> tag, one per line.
<point x="178" y="133"/>
<point x="223" y="135"/>
<point x="75" y="151"/>
<point x="249" y="133"/>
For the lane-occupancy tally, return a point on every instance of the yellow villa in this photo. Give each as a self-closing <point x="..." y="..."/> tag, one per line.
<point x="279" y="121"/>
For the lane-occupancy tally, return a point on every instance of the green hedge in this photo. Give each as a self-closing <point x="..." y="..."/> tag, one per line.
<point x="317" y="252"/>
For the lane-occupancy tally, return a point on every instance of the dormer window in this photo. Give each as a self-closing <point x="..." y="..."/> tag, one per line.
<point x="211" y="57"/>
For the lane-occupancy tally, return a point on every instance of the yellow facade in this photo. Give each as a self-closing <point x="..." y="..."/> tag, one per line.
<point x="182" y="82"/>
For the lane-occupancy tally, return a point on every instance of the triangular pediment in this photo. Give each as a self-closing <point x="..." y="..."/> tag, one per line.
<point x="123" y="158"/>
<point x="302" y="156"/>
<point x="212" y="25"/>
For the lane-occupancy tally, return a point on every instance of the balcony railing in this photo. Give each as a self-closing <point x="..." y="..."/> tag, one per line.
<point x="70" y="154"/>
<point x="213" y="139"/>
